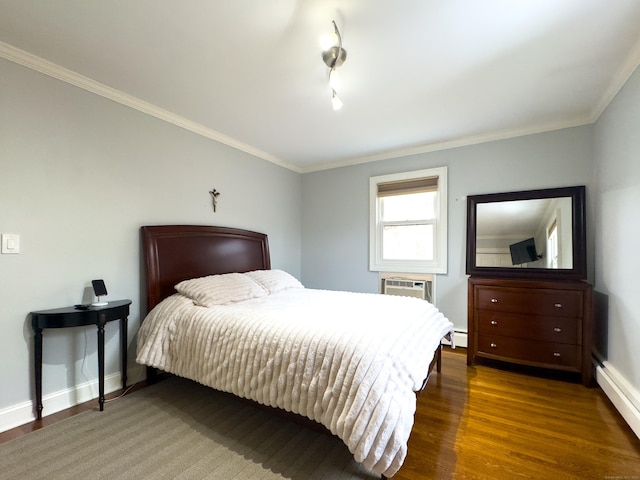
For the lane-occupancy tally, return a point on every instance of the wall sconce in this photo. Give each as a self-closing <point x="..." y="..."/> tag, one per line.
<point x="334" y="56"/>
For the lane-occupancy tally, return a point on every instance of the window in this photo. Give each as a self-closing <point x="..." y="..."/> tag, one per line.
<point x="408" y="222"/>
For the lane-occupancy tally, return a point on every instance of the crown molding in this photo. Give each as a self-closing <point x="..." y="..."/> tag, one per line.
<point x="459" y="142"/>
<point x="58" y="72"/>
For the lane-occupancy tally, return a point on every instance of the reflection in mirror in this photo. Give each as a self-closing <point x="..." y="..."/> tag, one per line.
<point x="534" y="233"/>
<point x="537" y="234"/>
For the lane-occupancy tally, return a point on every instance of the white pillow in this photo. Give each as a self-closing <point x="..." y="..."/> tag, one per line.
<point x="274" y="281"/>
<point x="220" y="289"/>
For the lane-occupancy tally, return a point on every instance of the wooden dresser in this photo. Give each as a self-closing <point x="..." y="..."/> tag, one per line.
<point x="541" y="323"/>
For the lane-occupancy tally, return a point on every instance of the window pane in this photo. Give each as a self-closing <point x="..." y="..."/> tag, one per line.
<point x="415" y="206"/>
<point x="407" y="242"/>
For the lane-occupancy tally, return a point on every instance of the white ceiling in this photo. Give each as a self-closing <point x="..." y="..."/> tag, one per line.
<point x="514" y="219"/>
<point x="420" y="75"/>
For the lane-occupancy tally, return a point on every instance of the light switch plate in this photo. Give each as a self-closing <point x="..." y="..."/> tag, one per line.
<point x="10" y="243"/>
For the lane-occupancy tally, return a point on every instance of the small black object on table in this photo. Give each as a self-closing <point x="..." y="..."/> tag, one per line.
<point x="78" y="317"/>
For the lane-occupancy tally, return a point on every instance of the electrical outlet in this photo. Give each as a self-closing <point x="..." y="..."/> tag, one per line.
<point x="10" y="243"/>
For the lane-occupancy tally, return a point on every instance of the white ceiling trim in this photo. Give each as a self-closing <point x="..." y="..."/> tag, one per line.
<point x="459" y="142"/>
<point x="51" y="69"/>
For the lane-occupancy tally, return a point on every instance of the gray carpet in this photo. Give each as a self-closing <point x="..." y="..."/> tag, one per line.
<point x="178" y="429"/>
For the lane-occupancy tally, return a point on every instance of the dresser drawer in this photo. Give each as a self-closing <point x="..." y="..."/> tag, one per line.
<point x="530" y="352"/>
<point x="557" y="303"/>
<point x="530" y="327"/>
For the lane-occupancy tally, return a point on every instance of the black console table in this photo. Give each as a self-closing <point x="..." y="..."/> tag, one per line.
<point x="74" y="317"/>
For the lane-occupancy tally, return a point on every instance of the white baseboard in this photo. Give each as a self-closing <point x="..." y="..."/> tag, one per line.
<point x="22" y="413"/>
<point x="459" y="339"/>
<point x="625" y="398"/>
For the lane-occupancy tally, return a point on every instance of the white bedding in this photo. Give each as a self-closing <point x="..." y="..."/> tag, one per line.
<point x="350" y="361"/>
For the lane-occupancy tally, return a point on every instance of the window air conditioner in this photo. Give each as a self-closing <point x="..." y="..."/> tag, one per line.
<point x="409" y="288"/>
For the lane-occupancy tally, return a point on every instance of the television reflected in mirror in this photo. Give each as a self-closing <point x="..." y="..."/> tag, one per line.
<point x="528" y="234"/>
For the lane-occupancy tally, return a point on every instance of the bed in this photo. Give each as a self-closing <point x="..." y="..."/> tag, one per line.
<point x="352" y="362"/>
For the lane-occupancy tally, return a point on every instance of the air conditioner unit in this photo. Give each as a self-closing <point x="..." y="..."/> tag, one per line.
<point x="409" y="288"/>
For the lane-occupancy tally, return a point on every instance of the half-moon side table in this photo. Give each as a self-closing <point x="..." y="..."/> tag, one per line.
<point x="74" y="317"/>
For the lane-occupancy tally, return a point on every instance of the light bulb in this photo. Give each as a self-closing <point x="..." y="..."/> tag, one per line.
<point x="328" y="40"/>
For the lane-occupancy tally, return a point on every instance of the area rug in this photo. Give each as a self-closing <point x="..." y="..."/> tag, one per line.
<point x="178" y="429"/>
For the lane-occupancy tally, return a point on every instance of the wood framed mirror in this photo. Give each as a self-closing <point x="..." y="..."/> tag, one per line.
<point x="528" y="234"/>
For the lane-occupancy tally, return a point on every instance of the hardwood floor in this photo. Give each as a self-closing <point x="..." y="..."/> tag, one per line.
<point x="485" y="423"/>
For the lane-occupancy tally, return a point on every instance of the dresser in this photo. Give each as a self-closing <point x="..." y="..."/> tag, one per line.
<point x="539" y="323"/>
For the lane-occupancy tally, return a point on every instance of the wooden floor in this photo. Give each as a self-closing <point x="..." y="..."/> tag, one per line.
<point x="487" y="423"/>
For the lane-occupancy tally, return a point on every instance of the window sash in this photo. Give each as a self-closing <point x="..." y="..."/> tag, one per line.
<point x="408" y="243"/>
<point x="415" y="210"/>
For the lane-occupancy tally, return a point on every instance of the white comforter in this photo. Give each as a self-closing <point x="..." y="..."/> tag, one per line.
<point x="349" y="361"/>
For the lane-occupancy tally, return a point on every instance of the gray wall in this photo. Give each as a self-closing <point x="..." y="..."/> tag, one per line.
<point x="617" y="220"/>
<point x="79" y="175"/>
<point x="335" y="230"/>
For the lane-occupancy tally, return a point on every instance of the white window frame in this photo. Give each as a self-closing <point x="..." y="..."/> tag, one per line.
<point x="439" y="263"/>
<point x="553" y="250"/>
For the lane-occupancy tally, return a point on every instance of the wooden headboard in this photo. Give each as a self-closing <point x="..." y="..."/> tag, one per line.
<point x="173" y="253"/>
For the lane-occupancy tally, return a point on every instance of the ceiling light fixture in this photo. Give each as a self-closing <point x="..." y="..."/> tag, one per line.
<point x="333" y="57"/>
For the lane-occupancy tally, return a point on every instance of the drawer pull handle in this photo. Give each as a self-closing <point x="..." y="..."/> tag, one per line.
<point x="493" y="345"/>
<point x="556" y="354"/>
<point x="494" y="300"/>
<point x="557" y="329"/>
<point x="558" y="305"/>
<point x="493" y="322"/>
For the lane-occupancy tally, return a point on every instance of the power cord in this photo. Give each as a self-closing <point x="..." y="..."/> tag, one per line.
<point x="121" y="395"/>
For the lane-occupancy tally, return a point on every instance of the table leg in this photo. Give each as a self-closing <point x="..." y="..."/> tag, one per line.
<point x="123" y="349"/>
<point x="101" y="324"/>
<point x="37" y="349"/>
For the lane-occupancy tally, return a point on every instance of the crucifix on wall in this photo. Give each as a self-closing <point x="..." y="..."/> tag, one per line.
<point x="214" y="197"/>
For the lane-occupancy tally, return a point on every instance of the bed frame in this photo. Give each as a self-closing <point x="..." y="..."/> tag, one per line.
<point x="173" y="253"/>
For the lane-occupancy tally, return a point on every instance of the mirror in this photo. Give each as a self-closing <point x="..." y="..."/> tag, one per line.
<point x="529" y="234"/>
